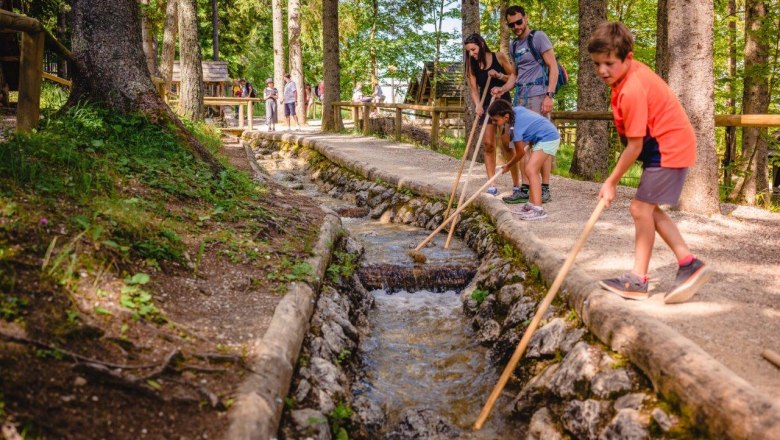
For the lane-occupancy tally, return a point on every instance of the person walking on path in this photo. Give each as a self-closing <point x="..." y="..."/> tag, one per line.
<point x="536" y="81"/>
<point x="528" y="129"/>
<point x="485" y="66"/>
<point x="290" y="95"/>
<point x="270" y="94"/>
<point x="655" y="129"/>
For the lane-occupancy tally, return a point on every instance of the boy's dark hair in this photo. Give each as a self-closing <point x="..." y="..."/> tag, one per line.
<point x="287" y="75"/>
<point x="512" y="10"/>
<point x="473" y="65"/>
<point x="611" y="36"/>
<point x="502" y="107"/>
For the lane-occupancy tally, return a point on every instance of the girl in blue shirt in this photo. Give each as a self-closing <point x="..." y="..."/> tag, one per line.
<point x="527" y="128"/>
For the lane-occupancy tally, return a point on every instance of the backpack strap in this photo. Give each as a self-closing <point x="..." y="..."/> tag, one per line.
<point x="532" y="48"/>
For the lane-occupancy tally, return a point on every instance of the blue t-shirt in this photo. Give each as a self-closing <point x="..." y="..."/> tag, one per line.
<point x="532" y="127"/>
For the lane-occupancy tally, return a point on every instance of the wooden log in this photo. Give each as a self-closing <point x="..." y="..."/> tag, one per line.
<point x="435" y="130"/>
<point x="757" y="121"/>
<point x="57" y="79"/>
<point x="30" y="70"/>
<point x="19" y="23"/>
<point x="398" y="124"/>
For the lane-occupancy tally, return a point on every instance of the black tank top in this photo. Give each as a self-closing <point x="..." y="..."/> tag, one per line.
<point x="482" y="78"/>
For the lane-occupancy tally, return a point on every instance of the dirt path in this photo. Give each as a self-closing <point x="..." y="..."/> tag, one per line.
<point x="733" y="318"/>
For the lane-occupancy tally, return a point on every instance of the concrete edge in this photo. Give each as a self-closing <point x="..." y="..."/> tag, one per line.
<point x="678" y="368"/>
<point x="258" y="406"/>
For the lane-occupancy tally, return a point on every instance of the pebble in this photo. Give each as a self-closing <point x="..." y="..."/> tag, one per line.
<point x="95" y="398"/>
<point x="79" y="381"/>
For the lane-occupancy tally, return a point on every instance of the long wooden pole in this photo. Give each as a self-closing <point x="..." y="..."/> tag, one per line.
<point x="510" y="368"/>
<point x="463" y="159"/>
<point x="461" y="207"/>
<point x="772" y="357"/>
<point x="468" y="175"/>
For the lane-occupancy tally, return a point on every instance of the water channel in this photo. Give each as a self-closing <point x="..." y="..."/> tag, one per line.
<point x="421" y="353"/>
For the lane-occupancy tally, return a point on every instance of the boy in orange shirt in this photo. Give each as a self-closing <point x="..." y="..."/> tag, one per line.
<point x="655" y="129"/>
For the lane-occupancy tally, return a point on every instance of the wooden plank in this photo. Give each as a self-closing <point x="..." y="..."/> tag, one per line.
<point x="30" y="70"/>
<point x="19" y="23"/>
<point x="57" y="79"/>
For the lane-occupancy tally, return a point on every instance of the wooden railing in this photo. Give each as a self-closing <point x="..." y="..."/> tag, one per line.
<point x="755" y="121"/>
<point x="436" y="112"/>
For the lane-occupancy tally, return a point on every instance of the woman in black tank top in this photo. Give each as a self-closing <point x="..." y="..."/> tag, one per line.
<point x="484" y="67"/>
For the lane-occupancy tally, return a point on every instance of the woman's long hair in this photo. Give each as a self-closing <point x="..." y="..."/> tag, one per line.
<point x="502" y="107"/>
<point x="473" y="65"/>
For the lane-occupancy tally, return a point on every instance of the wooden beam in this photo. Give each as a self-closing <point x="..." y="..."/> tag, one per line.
<point x="57" y="79"/>
<point x="30" y="69"/>
<point x="757" y="121"/>
<point x="56" y="46"/>
<point x="19" y="23"/>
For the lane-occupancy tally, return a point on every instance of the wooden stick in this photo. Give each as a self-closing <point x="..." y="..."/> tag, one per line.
<point x="463" y="159"/>
<point x="468" y="175"/>
<point x="771" y="356"/>
<point x="510" y="368"/>
<point x="461" y="207"/>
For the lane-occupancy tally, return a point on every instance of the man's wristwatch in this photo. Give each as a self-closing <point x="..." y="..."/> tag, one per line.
<point x="550" y="94"/>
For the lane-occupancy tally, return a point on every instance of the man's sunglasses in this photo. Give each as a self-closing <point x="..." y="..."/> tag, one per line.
<point x="512" y="24"/>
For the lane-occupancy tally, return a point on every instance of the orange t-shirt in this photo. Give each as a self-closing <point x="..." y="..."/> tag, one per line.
<point x="644" y="106"/>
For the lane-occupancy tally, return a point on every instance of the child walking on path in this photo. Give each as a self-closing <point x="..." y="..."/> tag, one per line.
<point x="655" y="129"/>
<point x="528" y="129"/>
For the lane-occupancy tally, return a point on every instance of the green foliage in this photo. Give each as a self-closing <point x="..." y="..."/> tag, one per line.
<point x="12" y="307"/>
<point x="292" y="271"/>
<point x="479" y="295"/>
<point x="339" y="419"/>
<point x="139" y="301"/>
<point x="342" y="266"/>
<point x="53" y="96"/>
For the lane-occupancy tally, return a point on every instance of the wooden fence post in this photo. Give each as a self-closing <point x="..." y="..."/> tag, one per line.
<point x="434" y="130"/>
<point x="240" y="115"/>
<point x="250" y="114"/>
<point x="366" y="111"/>
<point x="31" y="74"/>
<point x="355" y="117"/>
<point x="398" y="122"/>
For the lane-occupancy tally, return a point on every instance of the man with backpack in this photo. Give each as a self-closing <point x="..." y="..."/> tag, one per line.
<point x="538" y="78"/>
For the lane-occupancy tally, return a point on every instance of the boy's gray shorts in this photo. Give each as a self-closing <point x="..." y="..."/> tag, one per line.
<point x="661" y="186"/>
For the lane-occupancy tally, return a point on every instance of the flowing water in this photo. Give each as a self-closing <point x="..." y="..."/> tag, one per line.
<point x="421" y="352"/>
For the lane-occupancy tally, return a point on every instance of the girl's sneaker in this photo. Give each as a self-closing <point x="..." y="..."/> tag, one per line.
<point x="521" y="210"/>
<point x="493" y="191"/>
<point x="689" y="279"/>
<point x="533" y="214"/>
<point x="628" y="286"/>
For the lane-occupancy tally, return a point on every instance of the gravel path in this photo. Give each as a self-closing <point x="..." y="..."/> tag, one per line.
<point x="733" y="318"/>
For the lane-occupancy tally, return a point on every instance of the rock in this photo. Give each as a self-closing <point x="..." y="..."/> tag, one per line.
<point x="546" y="340"/>
<point x="583" y="418"/>
<point x="485" y="312"/>
<point x="488" y="332"/>
<point x="326" y="376"/>
<point x="493" y="273"/>
<point x="335" y="339"/>
<point x="664" y="421"/>
<point x="577" y="369"/>
<point x="304" y="386"/>
<point x="502" y="350"/>
<point x="325" y="401"/>
<point x="510" y="294"/>
<point x="571" y="339"/>
<point x="79" y="381"/>
<point x="626" y="425"/>
<point x="534" y="391"/>
<point x="368" y="415"/>
<point x="520" y="312"/>
<point x="631" y="401"/>
<point x="309" y="423"/>
<point x="470" y="307"/>
<point x="609" y="383"/>
<point x="542" y="427"/>
<point x="422" y="424"/>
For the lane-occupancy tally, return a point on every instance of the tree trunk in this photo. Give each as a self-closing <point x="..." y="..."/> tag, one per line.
<point x="169" y="42"/>
<point x="278" y="34"/>
<point x="662" y="40"/>
<point x="296" y="56"/>
<point x="438" y="16"/>
<point x="110" y="68"/>
<point x="190" y="59"/>
<point x="731" y="90"/>
<point x="690" y="48"/>
<point x="372" y="44"/>
<point x="214" y="31"/>
<point x="331" y="120"/>
<point x="503" y="30"/>
<point x="469" y="25"/>
<point x="752" y="178"/>
<point x="147" y="39"/>
<point x="591" y="155"/>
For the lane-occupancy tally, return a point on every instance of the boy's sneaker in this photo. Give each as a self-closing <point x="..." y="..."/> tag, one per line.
<point x="689" y="279"/>
<point x="519" y="195"/>
<point x="546" y="197"/>
<point x="521" y="210"/>
<point x="628" y="286"/>
<point x="493" y="191"/>
<point x="533" y="213"/>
